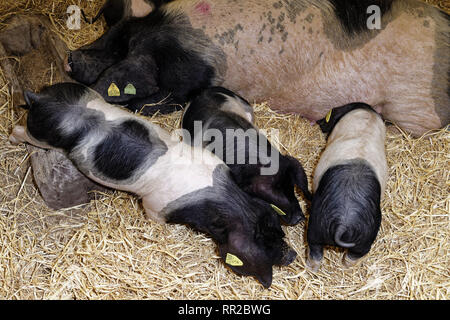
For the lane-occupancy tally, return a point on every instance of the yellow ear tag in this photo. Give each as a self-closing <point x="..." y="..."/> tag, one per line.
<point x="234" y="261"/>
<point x="130" y="89"/>
<point x="278" y="210"/>
<point x="328" y="117"/>
<point x="113" y="90"/>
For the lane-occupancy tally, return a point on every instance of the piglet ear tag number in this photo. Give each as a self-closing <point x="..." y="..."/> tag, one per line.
<point x="328" y="117"/>
<point x="113" y="90"/>
<point x="234" y="261"/>
<point x="130" y="89"/>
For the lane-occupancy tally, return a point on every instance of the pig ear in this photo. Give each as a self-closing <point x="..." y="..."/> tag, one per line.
<point x="31" y="98"/>
<point x="298" y="177"/>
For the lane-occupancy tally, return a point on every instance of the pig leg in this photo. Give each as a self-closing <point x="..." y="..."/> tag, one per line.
<point x="315" y="255"/>
<point x="20" y="135"/>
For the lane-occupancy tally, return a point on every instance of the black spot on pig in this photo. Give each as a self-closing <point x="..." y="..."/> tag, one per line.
<point x="280" y="27"/>
<point x="353" y="14"/>
<point x="309" y="18"/>
<point x="227" y="37"/>
<point x="270" y="18"/>
<point x="126" y="148"/>
<point x="294" y="8"/>
<point x="278" y="5"/>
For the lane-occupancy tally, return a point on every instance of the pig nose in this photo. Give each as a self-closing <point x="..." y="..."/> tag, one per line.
<point x="68" y="63"/>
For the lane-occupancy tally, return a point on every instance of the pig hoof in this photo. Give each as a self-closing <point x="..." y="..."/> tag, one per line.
<point x="312" y="265"/>
<point x="348" y="262"/>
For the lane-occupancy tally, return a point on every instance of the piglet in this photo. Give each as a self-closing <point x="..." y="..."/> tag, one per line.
<point x="255" y="164"/>
<point x="348" y="185"/>
<point x="178" y="183"/>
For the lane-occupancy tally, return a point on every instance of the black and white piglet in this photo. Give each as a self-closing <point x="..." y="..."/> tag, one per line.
<point x="224" y="117"/>
<point x="178" y="183"/>
<point x="348" y="185"/>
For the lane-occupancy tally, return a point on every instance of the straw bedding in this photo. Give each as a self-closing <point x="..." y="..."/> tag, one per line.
<point x="107" y="250"/>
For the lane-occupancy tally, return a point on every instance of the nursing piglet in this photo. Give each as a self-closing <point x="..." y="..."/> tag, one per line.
<point x="258" y="168"/>
<point x="349" y="182"/>
<point x="177" y="183"/>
